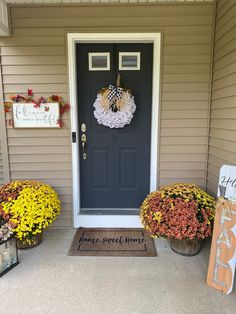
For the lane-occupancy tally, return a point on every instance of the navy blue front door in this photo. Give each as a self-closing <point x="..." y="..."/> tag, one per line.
<point x="116" y="171"/>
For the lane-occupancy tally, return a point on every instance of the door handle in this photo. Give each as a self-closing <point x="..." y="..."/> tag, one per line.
<point x="83" y="141"/>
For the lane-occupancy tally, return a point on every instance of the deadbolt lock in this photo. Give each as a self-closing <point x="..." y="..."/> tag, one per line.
<point x="83" y="127"/>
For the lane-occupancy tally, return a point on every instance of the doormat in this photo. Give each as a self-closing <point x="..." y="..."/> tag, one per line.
<point x="112" y="242"/>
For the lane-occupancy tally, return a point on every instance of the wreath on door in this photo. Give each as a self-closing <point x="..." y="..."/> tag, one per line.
<point x="114" y="106"/>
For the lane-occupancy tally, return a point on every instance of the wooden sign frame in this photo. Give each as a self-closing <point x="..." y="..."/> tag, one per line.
<point x="31" y="115"/>
<point x="222" y="261"/>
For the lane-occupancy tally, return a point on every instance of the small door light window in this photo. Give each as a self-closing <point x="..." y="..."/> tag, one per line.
<point x="99" y="61"/>
<point x="129" y="61"/>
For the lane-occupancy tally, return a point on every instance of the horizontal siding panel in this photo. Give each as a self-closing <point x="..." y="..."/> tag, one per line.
<point x="221" y="63"/>
<point x="183" y="123"/>
<point x="223" y="154"/>
<point x="225" y="145"/>
<point x="114" y="11"/>
<point x="32" y="60"/>
<point x="59" y="32"/>
<point x="198" y="181"/>
<point x="217" y="162"/>
<point x="223" y="52"/>
<point x="184" y="114"/>
<point x="229" y="113"/>
<point x="184" y="96"/>
<point x="35" y="150"/>
<point x="184" y="174"/>
<point x="225" y="71"/>
<point x="195" y="157"/>
<point x="183" y="166"/>
<point x="180" y="149"/>
<point x="182" y="132"/>
<point x="184" y="78"/>
<point x="32" y="41"/>
<point x="227" y="124"/>
<point x="187" y="40"/>
<point x="229" y="135"/>
<point x="16" y="133"/>
<point x="115" y="21"/>
<point x="33" y="51"/>
<point x="39" y="158"/>
<point x="41" y="175"/>
<point x="65" y="96"/>
<point x="185" y="105"/>
<point x="220" y="93"/>
<point x="223" y="103"/>
<point x="231" y="14"/>
<point x="184" y="49"/>
<point x="35" y="166"/>
<point x="187" y="68"/>
<point x="37" y="88"/>
<point x="225" y="29"/>
<point x="182" y="87"/>
<point x="35" y="79"/>
<point x="34" y="69"/>
<point x="189" y="140"/>
<point x="224" y="6"/>
<point x="214" y="170"/>
<point x="63" y="190"/>
<point x="56" y="141"/>
<point x="38" y="32"/>
<point x="224" y="81"/>
<point x="228" y="38"/>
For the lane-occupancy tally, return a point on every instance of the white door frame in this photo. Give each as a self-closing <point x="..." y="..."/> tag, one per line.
<point x="73" y="39"/>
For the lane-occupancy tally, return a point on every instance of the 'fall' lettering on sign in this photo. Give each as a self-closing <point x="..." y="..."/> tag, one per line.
<point x="222" y="261"/>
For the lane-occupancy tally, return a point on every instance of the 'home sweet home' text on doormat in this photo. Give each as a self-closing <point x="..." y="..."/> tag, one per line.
<point x="112" y="242"/>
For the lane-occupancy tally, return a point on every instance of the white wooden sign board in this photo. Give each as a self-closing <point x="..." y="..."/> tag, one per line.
<point x="25" y="115"/>
<point x="227" y="183"/>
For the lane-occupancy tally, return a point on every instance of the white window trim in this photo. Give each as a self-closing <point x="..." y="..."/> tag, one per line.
<point x="73" y="39"/>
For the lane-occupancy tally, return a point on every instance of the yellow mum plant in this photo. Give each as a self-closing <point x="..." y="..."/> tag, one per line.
<point x="29" y="206"/>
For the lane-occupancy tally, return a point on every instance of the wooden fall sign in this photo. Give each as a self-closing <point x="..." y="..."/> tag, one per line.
<point x="222" y="261"/>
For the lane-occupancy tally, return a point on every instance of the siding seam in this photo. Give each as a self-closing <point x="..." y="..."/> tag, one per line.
<point x="3" y="133"/>
<point x="210" y="91"/>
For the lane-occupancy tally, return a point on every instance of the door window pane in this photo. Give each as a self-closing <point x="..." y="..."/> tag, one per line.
<point x="99" y="61"/>
<point x="129" y="61"/>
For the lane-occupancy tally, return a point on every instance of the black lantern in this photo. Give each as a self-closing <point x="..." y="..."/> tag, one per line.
<point x="8" y="255"/>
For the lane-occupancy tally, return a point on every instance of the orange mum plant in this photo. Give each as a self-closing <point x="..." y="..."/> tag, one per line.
<point x="180" y="211"/>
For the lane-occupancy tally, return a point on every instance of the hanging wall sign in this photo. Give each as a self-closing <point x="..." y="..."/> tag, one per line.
<point x="227" y="182"/>
<point x="31" y="115"/>
<point x="222" y="261"/>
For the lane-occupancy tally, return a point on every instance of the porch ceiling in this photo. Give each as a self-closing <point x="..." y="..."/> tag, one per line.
<point x="100" y="1"/>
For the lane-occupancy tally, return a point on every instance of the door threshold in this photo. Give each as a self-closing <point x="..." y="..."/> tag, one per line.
<point x="110" y="212"/>
<point x="108" y="221"/>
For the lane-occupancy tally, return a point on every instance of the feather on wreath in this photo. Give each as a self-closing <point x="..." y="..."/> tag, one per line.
<point x="114" y="106"/>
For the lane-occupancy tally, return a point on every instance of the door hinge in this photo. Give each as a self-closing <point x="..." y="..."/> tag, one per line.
<point x="73" y="137"/>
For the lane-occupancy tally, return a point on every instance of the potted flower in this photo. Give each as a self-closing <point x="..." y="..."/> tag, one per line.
<point x="181" y="212"/>
<point x="29" y="206"/>
<point x="6" y="229"/>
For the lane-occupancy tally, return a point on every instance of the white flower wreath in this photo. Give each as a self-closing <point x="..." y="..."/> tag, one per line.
<point x="123" y="113"/>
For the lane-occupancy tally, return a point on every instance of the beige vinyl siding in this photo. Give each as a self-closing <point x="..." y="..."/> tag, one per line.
<point x="35" y="57"/>
<point x="222" y="142"/>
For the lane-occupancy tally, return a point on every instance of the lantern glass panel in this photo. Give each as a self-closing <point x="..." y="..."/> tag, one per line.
<point x="8" y="255"/>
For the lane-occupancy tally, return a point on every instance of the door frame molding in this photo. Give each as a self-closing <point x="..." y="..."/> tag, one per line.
<point x="73" y="39"/>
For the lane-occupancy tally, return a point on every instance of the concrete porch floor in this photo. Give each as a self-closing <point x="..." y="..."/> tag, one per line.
<point x="49" y="281"/>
